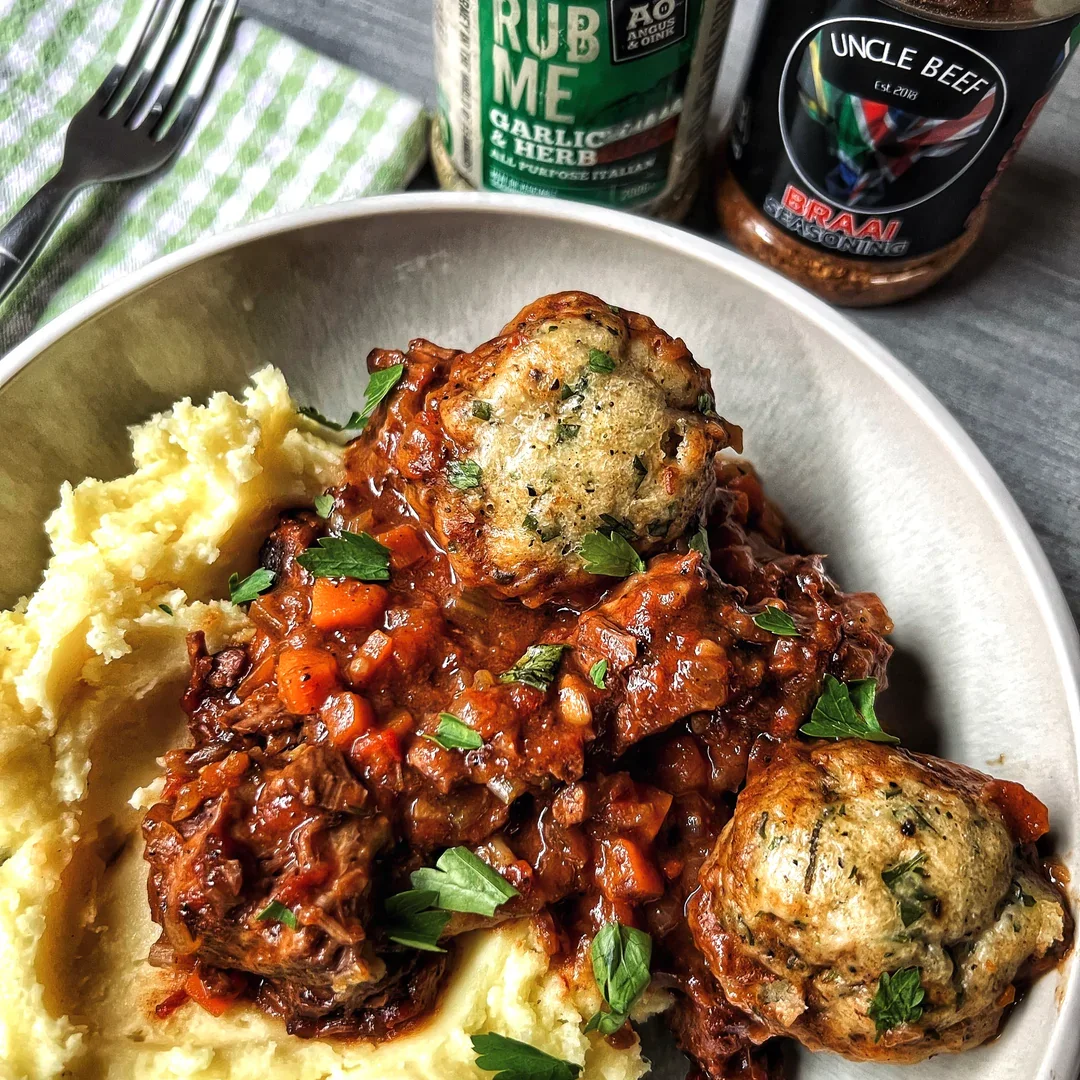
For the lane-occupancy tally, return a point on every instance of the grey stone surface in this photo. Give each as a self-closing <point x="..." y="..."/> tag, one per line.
<point x="998" y="342"/>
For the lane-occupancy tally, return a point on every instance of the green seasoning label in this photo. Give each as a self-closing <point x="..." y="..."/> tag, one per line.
<point x="601" y="100"/>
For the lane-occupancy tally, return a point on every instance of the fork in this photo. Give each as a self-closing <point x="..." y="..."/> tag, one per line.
<point x="134" y="123"/>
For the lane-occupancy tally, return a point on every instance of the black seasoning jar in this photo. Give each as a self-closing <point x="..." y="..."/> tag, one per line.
<point x="872" y="132"/>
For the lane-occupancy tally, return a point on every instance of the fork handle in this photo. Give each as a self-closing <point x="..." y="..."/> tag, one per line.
<point x="22" y="237"/>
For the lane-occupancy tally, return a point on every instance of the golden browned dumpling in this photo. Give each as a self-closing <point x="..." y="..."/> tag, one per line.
<point x="874" y="902"/>
<point x="578" y="417"/>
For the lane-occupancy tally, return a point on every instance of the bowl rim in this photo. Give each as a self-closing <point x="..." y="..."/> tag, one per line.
<point x="1063" y="1052"/>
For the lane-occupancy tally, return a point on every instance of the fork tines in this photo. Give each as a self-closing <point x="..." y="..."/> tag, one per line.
<point x="164" y="66"/>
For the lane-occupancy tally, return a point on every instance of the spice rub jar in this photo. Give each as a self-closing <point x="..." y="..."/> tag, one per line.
<point x="603" y="101"/>
<point x="872" y="132"/>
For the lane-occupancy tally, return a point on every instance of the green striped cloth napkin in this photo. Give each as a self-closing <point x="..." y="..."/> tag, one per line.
<point x="282" y="127"/>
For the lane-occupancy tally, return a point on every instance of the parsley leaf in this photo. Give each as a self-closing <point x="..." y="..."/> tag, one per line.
<point x="324" y="505"/>
<point x="481" y="409"/>
<point x="412" y="923"/>
<point x="700" y="542"/>
<point x="846" y="711"/>
<point x="379" y="385"/>
<point x="892" y="874"/>
<point x="905" y="882"/>
<point x="454" y="734"/>
<point x="598" y="674"/>
<point x="276" y="911"/>
<point x="566" y="432"/>
<point x="610" y="555"/>
<point x="256" y="583"/>
<point x="706" y="404"/>
<point x="618" y="525"/>
<point x="464" y="882"/>
<point x="313" y="414"/>
<point x="352" y="555"/>
<point x="570" y="390"/>
<point x="514" y="1060"/>
<point x="620" y="959"/>
<point x="898" y="999"/>
<point x="776" y="621"/>
<point x="601" y="361"/>
<point x="464" y="474"/>
<point x="546" y="532"/>
<point x="165" y="607"/>
<point x="537" y="667"/>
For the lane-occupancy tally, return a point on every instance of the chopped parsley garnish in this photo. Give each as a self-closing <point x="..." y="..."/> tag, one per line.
<point x="575" y="389"/>
<point x="537" y="667"/>
<point x="610" y="556"/>
<point x="700" y="541"/>
<point x="598" y="674"/>
<point x="481" y="410"/>
<point x="412" y="922"/>
<point x="510" y="1059"/>
<point x="253" y="586"/>
<point x="619" y="525"/>
<point x="324" y="505"/>
<point x="566" y="432"/>
<point x="548" y="532"/>
<point x="276" y="911"/>
<point x="620" y="959"/>
<point x="454" y="734"/>
<point x="892" y="874"/>
<point x="776" y="621"/>
<point x="351" y="555"/>
<point x="641" y="470"/>
<point x="379" y="385"/>
<point x="165" y="607"/>
<point x="905" y="882"/>
<point x="464" y="474"/>
<point x="846" y="711"/>
<point x="898" y="999"/>
<point x="601" y="361"/>
<point x="464" y="882"/>
<point x="706" y="404"/>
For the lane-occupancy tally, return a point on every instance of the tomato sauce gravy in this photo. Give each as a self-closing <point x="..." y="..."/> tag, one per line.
<point x="313" y="781"/>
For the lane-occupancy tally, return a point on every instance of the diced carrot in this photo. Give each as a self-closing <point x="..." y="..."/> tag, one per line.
<point x="346" y="605"/>
<point x="377" y="755"/>
<point x="164" y="1009"/>
<point x="627" y="873"/>
<point x="371" y="656"/>
<point x="375" y="742"/>
<point x="406" y="547"/>
<point x="637" y="809"/>
<point x="214" y="1003"/>
<point x="305" y="678"/>
<point x="1026" y="817"/>
<point x="347" y="716"/>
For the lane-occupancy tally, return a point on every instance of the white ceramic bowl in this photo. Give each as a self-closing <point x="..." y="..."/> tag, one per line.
<point x="862" y="458"/>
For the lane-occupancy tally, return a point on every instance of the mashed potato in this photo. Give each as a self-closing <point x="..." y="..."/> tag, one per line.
<point x="91" y="668"/>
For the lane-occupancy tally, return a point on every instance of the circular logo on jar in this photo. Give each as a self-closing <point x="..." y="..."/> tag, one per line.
<point x="878" y="116"/>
